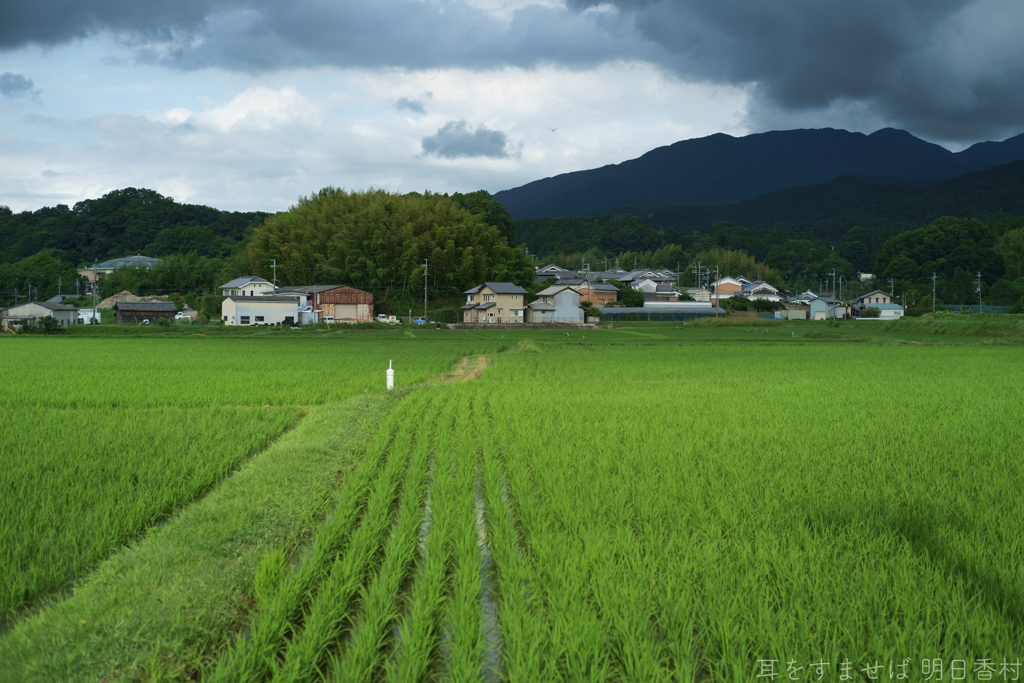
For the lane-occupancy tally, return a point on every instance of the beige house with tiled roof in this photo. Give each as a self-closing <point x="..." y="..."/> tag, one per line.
<point x="494" y="302"/>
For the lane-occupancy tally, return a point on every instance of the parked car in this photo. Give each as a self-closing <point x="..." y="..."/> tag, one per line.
<point x="381" y="318"/>
<point x="420" y="321"/>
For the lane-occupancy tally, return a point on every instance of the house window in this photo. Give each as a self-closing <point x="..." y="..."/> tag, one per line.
<point x="490" y="315"/>
<point x="245" y="320"/>
<point x="259" y="318"/>
<point x="225" y="318"/>
<point x="471" y="298"/>
<point x="517" y="314"/>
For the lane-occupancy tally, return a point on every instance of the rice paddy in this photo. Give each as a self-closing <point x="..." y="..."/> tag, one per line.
<point x="645" y="504"/>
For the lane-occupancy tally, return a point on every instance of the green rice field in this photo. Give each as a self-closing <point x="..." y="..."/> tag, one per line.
<point x="646" y="503"/>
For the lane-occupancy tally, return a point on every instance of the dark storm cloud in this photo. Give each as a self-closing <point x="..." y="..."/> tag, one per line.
<point x="455" y="139"/>
<point x="951" y="69"/>
<point x="16" y="85"/>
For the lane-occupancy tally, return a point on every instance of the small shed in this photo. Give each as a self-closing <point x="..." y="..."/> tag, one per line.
<point x="137" y="312"/>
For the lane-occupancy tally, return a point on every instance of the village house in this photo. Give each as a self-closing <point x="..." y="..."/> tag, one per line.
<point x="556" y="304"/>
<point x="726" y="287"/>
<point x="260" y="310"/>
<point x="552" y="271"/>
<point x="827" y="308"/>
<point x="654" y="291"/>
<point x="142" y="312"/>
<point x="699" y="294"/>
<point x="660" y="277"/>
<point x="247" y="286"/>
<point x="885" y="311"/>
<point x="30" y="313"/>
<point x="596" y="293"/>
<point x="759" y="289"/>
<point x="495" y="302"/>
<point x="872" y="299"/>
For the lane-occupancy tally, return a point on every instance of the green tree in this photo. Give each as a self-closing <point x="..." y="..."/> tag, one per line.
<point x="903" y="268"/>
<point x="494" y="212"/>
<point x="379" y="241"/>
<point x="962" y="288"/>
<point x="630" y="297"/>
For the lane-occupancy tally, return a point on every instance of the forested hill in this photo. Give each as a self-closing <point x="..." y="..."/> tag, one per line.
<point x="830" y="209"/>
<point x="721" y="168"/>
<point x="122" y="222"/>
<point x="827" y="212"/>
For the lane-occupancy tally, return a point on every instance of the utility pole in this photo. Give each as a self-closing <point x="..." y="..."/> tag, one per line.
<point x="933" y="293"/>
<point x="60" y="281"/>
<point x="716" y="280"/>
<point x="273" y="263"/>
<point x="892" y="287"/>
<point x="979" y="291"/>
<point x="426" y="263"/>
<point x="833" y="283"/>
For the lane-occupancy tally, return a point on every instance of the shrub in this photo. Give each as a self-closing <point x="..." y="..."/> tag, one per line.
<point x="870" y="312"/>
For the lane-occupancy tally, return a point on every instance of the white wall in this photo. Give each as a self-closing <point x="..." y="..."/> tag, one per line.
<point x="272" y="312"/>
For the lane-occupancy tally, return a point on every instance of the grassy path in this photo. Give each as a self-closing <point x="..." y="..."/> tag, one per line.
<point x="159" y="607"/>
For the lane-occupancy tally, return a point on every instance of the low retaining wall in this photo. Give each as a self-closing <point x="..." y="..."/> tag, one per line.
<point x="516" y="326"/>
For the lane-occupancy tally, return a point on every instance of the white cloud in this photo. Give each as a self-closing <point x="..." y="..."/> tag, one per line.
<point x="234" y="144"/>
<point x="259" y="108"/>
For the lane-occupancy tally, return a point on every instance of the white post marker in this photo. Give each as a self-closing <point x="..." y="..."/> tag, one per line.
<point x="391" y="377"/>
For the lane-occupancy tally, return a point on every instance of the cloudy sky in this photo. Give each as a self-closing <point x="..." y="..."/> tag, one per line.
<point x="250" y="104"/>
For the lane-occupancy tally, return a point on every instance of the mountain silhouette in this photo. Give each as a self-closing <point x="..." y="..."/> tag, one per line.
<point x="722" y="168"/>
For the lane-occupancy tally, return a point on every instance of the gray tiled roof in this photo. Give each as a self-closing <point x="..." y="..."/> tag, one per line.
<point x="504" y="288"/>
<point x="555" y="289"/>
<point x="241" y="281"/>
<point x="155" y="306"/>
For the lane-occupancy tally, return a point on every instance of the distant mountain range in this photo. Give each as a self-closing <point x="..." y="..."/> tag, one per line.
<point x="721" y="168"/>
<point x="830" y="209"/>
